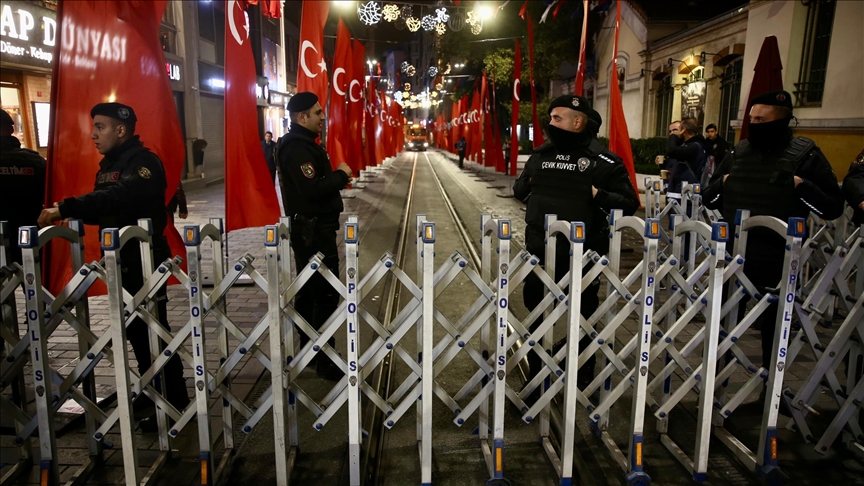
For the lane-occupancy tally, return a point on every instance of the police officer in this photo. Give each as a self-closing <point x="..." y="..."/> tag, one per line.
<point x="772" y="173"/>
<point x="310" y="193"/>
<point x="130" y="185"/>
<point x="853" y="189"/>
<point x="22" y="182"/>
<point x="576" y="178"/>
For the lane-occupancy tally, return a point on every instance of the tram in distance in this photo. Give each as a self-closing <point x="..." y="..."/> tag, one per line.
<point x="417" y="139"/>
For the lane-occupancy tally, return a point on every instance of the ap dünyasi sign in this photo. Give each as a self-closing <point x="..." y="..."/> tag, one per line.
<point x="28" y="33"/>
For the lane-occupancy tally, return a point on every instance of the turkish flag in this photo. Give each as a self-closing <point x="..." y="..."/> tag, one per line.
<point x="271" y="8"/>
<point x="250" y="196"/>
<point x="397" y="125"/>
<point x="619" y="137"/>
<point x="517" y="86"/>
<point x="476" y="128"/>
<point x="371" y="119"/>
<point x="580" y="68"/>
<point x="112" y="49"/>
<point x="357" y="159"/>
<point x="337" y="121"/>
<point x="380" y="140"/>
<point x="538" y="131"/>
<point x="310" y="72"/>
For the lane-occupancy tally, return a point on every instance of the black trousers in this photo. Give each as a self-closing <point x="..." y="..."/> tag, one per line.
<point x="461" y="158"/>
<point x="317" y="300"/>
<point x="765" y="274"/>
<point x="534" y="290"/>
<point x="137" y="332"/>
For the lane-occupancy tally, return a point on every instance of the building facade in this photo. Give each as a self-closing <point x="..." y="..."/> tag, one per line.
<point x="705" y="71"/>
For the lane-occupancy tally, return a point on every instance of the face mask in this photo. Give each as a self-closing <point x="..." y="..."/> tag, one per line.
<point x="764" y="136"/>
<point x="566" y="140"/>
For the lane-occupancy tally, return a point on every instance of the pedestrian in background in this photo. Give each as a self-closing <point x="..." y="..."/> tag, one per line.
<point x="310" y="194"/>
<point x="460" y="147"/>
<point x="853" y="189"/>
<point x="269" y="148"/>
<point x="198" y="147"/>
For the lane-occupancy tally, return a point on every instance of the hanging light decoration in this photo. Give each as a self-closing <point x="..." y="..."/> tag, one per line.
<point x="397" y="96"/>
<point x="457" y="21"/>
<point x="477" y="28"/>
<point x="447" y="69"/>
<point x="441" y="28"/>
<point x="399" y="24"/>
<point x="432" y="71"/>
<point x="413" y="97"/>
<point x="407" y="86"/>
<point x="406" y="95"/>
<point x="369" y="12"/>
<point x="413" y="24"/>
<point x="428" y="23"/>
<point x="434" y="94"/>
<point x="473" y="18"/>
<point x="411" y="71"/>
<point x="407" y="11"/>
<point x="441" y="15"/>
<point x="390" y="12"/>
<point x="439" y="86"/>
<point x="405" y="66"/>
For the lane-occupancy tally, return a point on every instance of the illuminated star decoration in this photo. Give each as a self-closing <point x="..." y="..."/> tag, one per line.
<point x="405" y="66"/>
<point x="390" y="12"/>
<point x="398" y="96"/>
<point x="477" y="28"/>
<point x="413" y="24"/>
<point x="428" y="23"/>
<point x="369" y="12"/>
<point x="407" y="86"/>
<point x="441" y="15"/>
<point x="411" y="71"/>
<point x="441" y="29"/>
<point x="434" y="94"/>
<point x="433" y="71"/>
<point x="439" y="86"/>
<point x="406" y="95"/>
<point x="473" y="18"/>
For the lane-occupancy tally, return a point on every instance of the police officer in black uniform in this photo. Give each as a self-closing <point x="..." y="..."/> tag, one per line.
<point x="772" y="173"/>
<point x="853" y="189"/>
<point x="22" y="182"/>
<point x="310" y="193"/>
<point x="130" y="185"/>
<point x="575" y="177"/>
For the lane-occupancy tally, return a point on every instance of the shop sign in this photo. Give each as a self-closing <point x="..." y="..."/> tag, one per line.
<point x="277" y="98"/>
<point x="173" y="71"/>
<point x="28" y="34"/>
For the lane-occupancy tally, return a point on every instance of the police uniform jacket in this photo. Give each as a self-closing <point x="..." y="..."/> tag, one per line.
<point x="22" y="186"/>
<point x="853" y="189"/>
<point x="559" y="182"/>
<point x="130" y="185"/>
<point x="685" y="162"/>
<point x="310" y="186"/>
<point x="763" y="182"/>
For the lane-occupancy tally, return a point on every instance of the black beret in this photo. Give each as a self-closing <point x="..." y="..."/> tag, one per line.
<point x="302" y="101"/>
<point x="774" y="98"/>
<point x="117" y="111"/>
<point x="6" y="119"/>
<point x="573" y="102"/>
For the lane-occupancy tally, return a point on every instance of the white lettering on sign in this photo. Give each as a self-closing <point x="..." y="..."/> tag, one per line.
<point x="20" y="29"/>
<point x="85" y="47"/>
<point x="559" y="165"/>
<point x="173" y="71"/>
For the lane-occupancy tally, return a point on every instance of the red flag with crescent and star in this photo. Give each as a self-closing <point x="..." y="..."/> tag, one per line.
<point x="356" y="154"/>
<point x="517" y="86"/>
<point x="337" y="120"/>
<point x="538" y="130"/>
<point x="371" y="117"/>
<point x="250" y="196"/>
<point x="619" y="137"/>
<point x="311" y="71"/>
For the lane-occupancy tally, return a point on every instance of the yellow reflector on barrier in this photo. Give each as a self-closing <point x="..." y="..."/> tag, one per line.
<point x="349" y="232"/>
<point x="723" y="233"/>
<point x="271" y="235"/>
<point x="579" y="232"/>
<point x="639" y="454"/>
<point x="773" y="448"/>
<point x="204" y="471"/>
<point x="190" y="235"/>
<point x="800" y="227"/>
<point x="505" y="229"/>
<point x="428" y="232"/>
<point x="106" y="239"/>
<point x="655" y="228"/>
<point x="43" y="480"/>
<point x="498" y="460"/>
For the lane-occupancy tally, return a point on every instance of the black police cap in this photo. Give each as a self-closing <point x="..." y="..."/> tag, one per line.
<point x="774" y="98"/>
<point x="580" y="104"/>
<point x="117" y="111"/>
<point x="302" y="101"/>
<point x="6" y="119"/>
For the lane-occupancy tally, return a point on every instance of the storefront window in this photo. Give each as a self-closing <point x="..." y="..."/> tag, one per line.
<point x="10" y="99"/>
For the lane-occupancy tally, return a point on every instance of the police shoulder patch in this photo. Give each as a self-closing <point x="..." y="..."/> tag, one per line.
<point x="144" y="172"/>
<point x="607" y="159"/>
<point x="308" y="170"/>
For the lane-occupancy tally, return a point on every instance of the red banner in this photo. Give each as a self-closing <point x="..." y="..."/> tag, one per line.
<point x="538" y="130"/>
<point x="356" y="154"/>
<point x="271" y="8"/>
<point x="337" y="120"/>
<point x="380" y="139"/>
<point x="619" y="137"/>
<point x="371" y="118"/>
<point x="397" y="128"/>
<point x="112" y="49"/>
<point x="476" y="127"/>
<point x="250" y="196"/>
<point x="311" y="69"/>
<point x="517" y="87"/>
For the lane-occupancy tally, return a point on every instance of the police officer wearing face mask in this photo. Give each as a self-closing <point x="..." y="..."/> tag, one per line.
<point x="576" y="178"/>
<point x="130" y="185"/>
<point x="772" y="173"/>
